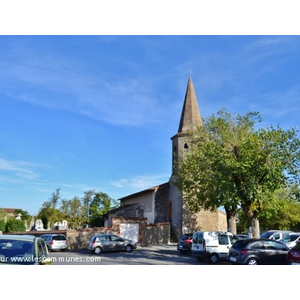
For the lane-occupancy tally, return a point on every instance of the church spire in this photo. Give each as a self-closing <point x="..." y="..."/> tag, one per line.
<point x="190" y="115"/>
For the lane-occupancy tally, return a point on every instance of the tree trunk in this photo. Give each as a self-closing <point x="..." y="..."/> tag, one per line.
<point x="231" y="219"/>
<point x="232" y="224"/>
<point x="255" y="227"/>
<point x="253" y="221"/>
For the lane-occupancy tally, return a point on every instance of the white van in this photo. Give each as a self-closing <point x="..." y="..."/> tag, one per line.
<point x="211" y="245"/>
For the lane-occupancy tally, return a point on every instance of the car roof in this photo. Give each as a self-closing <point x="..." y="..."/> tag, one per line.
<point x="250" y="240"/>
<point x="27" y="238"/>
<point x="274" y="230"/>
<point x="51" y="234"/>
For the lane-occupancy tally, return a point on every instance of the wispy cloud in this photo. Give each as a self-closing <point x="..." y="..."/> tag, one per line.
<point x="56" y="82"/>
<point x="140" y="182"/>
<point x="18" y="169"/>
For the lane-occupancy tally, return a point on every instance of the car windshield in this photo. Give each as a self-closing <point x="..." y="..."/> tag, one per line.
<point x="16" y="252"/>
<point x="266" y="235"/>
<point x="297" y="246"/>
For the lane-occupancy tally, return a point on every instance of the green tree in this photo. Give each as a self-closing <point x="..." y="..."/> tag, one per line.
<point x="87" y="199"/>
<point x="99" y="207"/>
<point x="233" y="164"/>
<point x="2" y="225"/>
<point x="283" y="212"/>
<point x="76" y="212"/>
<point x="2" y="214"/>
<point x="49" y="213"/>
<point x="14" y="225"/>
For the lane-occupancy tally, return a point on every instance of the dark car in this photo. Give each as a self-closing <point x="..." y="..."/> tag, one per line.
<point x="23" y="250"/>
<point x="185" y="243"/>
<point x="258" y="252"/>
<point x="293" y="255"/>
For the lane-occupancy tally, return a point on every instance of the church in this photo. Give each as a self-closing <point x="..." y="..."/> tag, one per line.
<point x="164" y="203"/>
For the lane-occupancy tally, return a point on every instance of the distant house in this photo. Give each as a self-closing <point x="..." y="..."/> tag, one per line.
<point x="11" y="211"/>
<point x="164" y="203"/>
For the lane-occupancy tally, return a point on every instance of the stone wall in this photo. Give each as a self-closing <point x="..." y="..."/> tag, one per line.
<point x="79" y="238"/>
<point x="162" y="204"/>
<point x="148" y="234"/>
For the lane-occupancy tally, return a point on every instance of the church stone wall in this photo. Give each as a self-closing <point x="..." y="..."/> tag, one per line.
<point x="211" y="221"/>
<point x="162" y="204"/>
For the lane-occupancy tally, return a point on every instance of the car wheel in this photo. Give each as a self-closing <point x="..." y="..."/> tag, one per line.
<point x="97" y="250"/>
<point x="128" y="248"/>
<point x="252" y="261"/>
<point x="200" y="259"/>
<point x="214" y="258"/>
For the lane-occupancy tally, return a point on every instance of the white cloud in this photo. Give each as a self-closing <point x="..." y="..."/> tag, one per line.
<point x="19" y="169"/>
<point x="139" y="183"/>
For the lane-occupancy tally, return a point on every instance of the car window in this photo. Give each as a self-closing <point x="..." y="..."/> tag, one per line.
<point x="273" y="245"/>
<point x="266" y="235"/>
<point x="276" y="236"/>
<point x="293" y="237"/>
<point x="59" y="238"/>
<point x="115" y="238"/>
<point x="287" y="238"/>
<point x="223" y="239"/>
<point x="198" y="238"/>
<point x="258" y="245"/>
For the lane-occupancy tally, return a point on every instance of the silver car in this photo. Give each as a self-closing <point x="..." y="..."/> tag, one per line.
<point x="110" y="242"/>
<point x="55" y="242"/>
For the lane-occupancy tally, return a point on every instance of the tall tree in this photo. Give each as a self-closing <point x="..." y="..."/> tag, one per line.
<point x="233" y="164"/>
<point x="49" y="213"/>
<point x="87" y="199"/>
<point x="99" y="207"/>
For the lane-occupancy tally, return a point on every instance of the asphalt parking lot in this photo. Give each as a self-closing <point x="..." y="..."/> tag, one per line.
<point x="164" y="254"/>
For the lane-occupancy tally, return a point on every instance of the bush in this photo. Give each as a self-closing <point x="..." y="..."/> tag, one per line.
<point x="14" y="225"/>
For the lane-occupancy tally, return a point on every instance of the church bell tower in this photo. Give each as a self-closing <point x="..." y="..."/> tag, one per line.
<point x="189" y="121"/>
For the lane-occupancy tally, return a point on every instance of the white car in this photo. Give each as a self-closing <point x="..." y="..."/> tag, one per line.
<point x="55" y="242"/>
<point x="211" y="245"/>
<point x="291" y="239"/>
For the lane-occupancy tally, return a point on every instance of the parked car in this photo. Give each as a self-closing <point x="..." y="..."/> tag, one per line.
<point x="110" y="242"/>
<point x="211" y="245"/>
<point x="293" y="255"/>
<point x="185" y="243"/>
<point x="291" y="239"/>
<point x="240" y="236"/>
<point x="55" y="242"/>
<point x="275" y="234"/>
<point x="258" y="252"/>
<point x="23" y="250"/>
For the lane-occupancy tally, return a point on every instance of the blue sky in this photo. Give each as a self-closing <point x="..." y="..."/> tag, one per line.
<point x="96" y="112"/>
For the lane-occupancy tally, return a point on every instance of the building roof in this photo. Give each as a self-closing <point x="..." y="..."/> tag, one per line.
<point x="150" y="190"/>
<point x="10" y="210"/>
<point x="121" y="207"/>
<point x="190" y="115"/>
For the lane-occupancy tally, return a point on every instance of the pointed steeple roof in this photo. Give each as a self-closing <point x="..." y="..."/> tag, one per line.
<point x="190" y="115"/>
